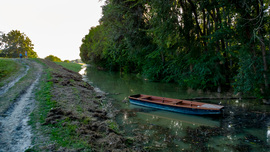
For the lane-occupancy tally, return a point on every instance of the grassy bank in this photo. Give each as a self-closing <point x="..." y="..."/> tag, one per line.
<point x="62" y="134"/>
<point x="8" y="67"/>
<point x="71" y="116"/>
<point x="71" y="66"/>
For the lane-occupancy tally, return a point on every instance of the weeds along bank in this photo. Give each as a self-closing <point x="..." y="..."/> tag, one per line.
<point x="8" y="68"/>
<point x="70" y="116"/>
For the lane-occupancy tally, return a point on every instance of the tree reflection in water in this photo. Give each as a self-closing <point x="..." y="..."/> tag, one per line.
<point x="268" y="134"/>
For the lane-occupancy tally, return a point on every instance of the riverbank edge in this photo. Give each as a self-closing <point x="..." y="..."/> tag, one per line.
<point x="71" y="116"/>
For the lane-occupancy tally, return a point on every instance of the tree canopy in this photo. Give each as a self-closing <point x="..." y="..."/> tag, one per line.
<point x="53" y="58"/>
<point x="14" y="43"/>
<point x="209" y="45"/>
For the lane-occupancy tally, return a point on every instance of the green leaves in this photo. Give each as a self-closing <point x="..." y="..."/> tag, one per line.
<point x="53" y="58"/>
<point x="15" y="43"/>
<point x="198" y="44"/>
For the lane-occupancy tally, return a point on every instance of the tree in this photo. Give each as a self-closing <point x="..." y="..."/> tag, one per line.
<point x="1" y="41"/>
<point x="93" y="46"/>
<point x="125" y="34"/>
<point x="210" y="45"/>
<point x="14" y="43"/>
<point x="53" y="58"/>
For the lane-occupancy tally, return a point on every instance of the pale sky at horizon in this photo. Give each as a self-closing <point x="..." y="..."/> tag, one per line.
<point x="55" y="27"/>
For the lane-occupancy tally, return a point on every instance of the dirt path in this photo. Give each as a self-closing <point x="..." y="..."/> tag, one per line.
<point x="15" y="133"/>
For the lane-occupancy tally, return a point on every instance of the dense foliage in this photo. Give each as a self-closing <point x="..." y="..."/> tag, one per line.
<point x="214" y="45"/>
<point x="53" y="58"/>
<point x="14" y="43"/>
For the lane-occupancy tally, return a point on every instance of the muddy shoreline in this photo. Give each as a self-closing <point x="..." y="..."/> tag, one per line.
<point x="90" y="115"/>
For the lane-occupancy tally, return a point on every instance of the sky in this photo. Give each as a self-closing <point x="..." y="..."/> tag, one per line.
<point x="55" y="27"/>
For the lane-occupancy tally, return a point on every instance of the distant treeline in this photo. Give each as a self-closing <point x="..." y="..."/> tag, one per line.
<point x="209" y="45"/>
<point x="57" y="59"/>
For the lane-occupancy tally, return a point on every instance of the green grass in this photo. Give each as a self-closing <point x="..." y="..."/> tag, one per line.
<point x="67" y="136"/>
<point x="38" y="116"/>
<point x="7" y="68"/>
<point x="114" y="126"/>
<point x="43" y="95"/>
<point x="71" y="66"/>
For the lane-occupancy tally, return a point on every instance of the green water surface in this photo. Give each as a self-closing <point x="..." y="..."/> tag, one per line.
<point x="245" y="125"/>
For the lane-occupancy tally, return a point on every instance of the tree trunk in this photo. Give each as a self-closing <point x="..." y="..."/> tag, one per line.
<point x="193" y="8"/>
<point x="265" y="66"/>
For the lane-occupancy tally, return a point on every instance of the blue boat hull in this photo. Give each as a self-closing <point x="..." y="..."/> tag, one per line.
<point x="175" y="109"/>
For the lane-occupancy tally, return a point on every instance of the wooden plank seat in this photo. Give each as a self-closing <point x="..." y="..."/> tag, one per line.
<point x="145" y="97"/>
<point x="176" y="102"/>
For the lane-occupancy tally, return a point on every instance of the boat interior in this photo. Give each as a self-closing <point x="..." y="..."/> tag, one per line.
<point x="165" y="100"/>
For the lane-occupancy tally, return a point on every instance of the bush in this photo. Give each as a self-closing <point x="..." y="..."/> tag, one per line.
<point x="53" y="58"/>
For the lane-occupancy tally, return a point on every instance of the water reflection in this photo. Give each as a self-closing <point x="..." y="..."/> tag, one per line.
<point x="242" y="128"/>
<point x="159" y="117"/>
<point x="268" y="134"/>
<point x="83" y="70"/>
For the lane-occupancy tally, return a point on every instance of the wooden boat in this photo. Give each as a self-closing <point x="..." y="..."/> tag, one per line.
<point x="176" y="105"/>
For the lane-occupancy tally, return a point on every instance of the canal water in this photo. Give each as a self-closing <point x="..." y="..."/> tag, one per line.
<point x="244" y="126"/>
